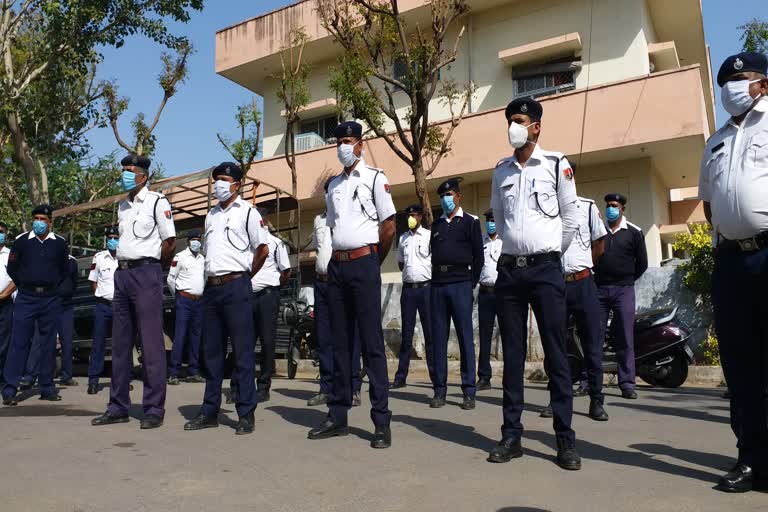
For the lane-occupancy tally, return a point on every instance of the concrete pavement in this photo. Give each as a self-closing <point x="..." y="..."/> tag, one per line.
<point x="661" y="452"/>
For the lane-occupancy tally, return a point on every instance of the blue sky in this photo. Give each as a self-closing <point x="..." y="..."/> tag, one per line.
<point x="206" y="104"/>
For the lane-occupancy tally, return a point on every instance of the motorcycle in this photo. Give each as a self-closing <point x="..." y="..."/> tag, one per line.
<point x="662" y="351"/>
<point x="300" y="317"/>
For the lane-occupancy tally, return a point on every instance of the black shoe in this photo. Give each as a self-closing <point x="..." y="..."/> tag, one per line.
<point x="567" y="456"/>
<point x="628" y="394"/>
<point x="318" y="399"/>
<point x="55" y="397"/>
<point x="506" y="450"/>
<point x="468" y="404"/>
<point x="246" y="425"/>
<point x="581" y="391"/>
<point x="195" y="379"/>
<point x="546" y="412"/>
<point x="397" y="384"/>
<point x="173" y="380"/>
<point x="437" y="402"/>
<point x="93" y="389"/>
<point x="327" y="430"/>
<point x="596" y="410"/>
<point x="484" y="384"/>
<point x="10" y="401"/>
<point x="262" y="396"/>
<point x="69" y="383"/>
<point x="25" y="385"/>
<point x="382" y="438"/>
<point x="151" y="421"/>
<point x="108" y="419"/>
<point x="739" y="479"/>
<point x="356" y="400"/>
<point x="200" y="422"/>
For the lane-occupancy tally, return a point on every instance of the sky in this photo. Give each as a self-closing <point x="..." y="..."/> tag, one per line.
<point x="206" y="104"/>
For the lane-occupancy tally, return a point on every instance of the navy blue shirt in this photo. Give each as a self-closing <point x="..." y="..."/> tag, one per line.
<point x="625" y="258"/>
<point x="458" y="242"/>
<point x="68" y="285"/>
<point x="36" y="263"/>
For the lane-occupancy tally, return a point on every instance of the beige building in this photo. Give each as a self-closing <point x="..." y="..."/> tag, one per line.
<point x="626" y="88"/>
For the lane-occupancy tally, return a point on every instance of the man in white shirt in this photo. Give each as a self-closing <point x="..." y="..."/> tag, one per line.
<point x="414" y="258"/>
<point x="186" y="281"/>
<point x="6" y="298"/>
<point x="486" y="301"/>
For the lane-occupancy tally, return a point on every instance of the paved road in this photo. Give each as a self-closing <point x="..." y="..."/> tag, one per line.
<point x="662" y="452"/>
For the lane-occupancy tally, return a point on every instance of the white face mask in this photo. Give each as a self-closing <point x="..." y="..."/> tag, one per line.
<point x="518" y="135"/>
<point x="346" y="154"/>
<point x="736" y="98"/>
<point x="221" y="189"/>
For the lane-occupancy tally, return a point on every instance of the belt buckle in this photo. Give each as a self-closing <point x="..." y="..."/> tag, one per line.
<point x="123" y="265"/>
<point x="216" y="281"/>
<point x="39" y="289"/>
<point x="521" y="261"/>
<point x="343" y="256"/>
<point x="443" y="268"/>
<point x="748" y="244"/>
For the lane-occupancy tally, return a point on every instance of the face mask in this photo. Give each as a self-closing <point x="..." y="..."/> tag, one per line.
<point x="518" y="135"/>
<point x="490" y="226"/>
<point x="39" y="227"/>
<point x="112" y="244"/>
<point x="2" y="238"/>
<point x="129" y="180"/>
<point x="612" y="213"/>
<point x="222" y="190"/>
<point x="412" y="223"/>
<point x="736" y="98"/>
<point x="448" y="204"/>
<point x="195" y="245"/>
<point x="346" y="155"/>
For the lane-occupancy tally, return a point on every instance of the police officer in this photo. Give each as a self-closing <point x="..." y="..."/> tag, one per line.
<point x="533" y="196"/>
<point x="360" y="214"/>
<point x="457" y="260"/>
<point x="486" y="300"/>
<point x="414" y="257"/>
<point x="625" y="259"/>
<point x="734" y="169"/>
<point x="65" y="322"/>
<point x="266" y="305"/>
<point x="37" y="263"/>
<point x="235" y="250"/>
<point x="186" y="281"/>
<point x="147" y="244"/>
<point x="7" y="289"/>
<point x="102" y="278"/>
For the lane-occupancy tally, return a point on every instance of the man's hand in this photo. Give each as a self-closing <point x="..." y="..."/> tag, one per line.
<point x="167" y="251"/>
<point x="386" y="235"/>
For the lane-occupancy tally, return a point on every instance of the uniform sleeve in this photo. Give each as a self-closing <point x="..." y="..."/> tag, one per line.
<point x="330" y="215"/>
<point x="93" y="276"/>
<point x="478" y="252"/>
<point x="641" y="255"/>
<point x="173" y="273"/>
<point x="400" y="253"/>
<point x="283" y="262"/>
<point x="13" y="261"/>
<point x="385" y="207"/>
<point x="256" y="231"/>
<point x="566" y="197"/>
<point x="316" y="226"/>
<point x="64" y="262"/>
<point x="497" y="205"/>
<point x="598" y="226"/>
<point x="705" y="187"/>
<point x="164" y="217"/>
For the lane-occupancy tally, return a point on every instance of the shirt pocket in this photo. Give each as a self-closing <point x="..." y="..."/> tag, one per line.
<point x="542" y="196"/>
<point x="423" y="249"/>
<point x="509" y="194"/>
<point x="757" y="151"/>
<point x="144" y="225"/>
<point x="716" y="167"/>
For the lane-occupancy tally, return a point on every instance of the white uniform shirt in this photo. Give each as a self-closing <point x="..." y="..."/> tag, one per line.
<point x="356" y="204"/>
<point x="5" y="279"/>
<point x="144" y="223"/>
<point x="578" y="257"/>
<point x="527" y="201"/>
<point x="414" y="253"/>
<point x="227" y="245"/>
<point x="103" y="274"/>
<point x="321" y="239"/>
<point x="734" y="176"/>
<point x="276" y="263"/>
<point x="187" y="273"/>
<point x="491" y="253"/>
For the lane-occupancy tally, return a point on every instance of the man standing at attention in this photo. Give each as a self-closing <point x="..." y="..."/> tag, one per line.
<point x="486" y="300"/>
<point x="6" y="299"/>
<point x="102" y="278"/>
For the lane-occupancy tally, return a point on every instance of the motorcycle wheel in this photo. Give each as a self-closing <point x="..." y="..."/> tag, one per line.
<point x="677" y="375"/>
<point x="293" y="360"/>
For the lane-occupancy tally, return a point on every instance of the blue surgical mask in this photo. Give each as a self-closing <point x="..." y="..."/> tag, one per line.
<point x="112" y="244"/>
<point x="2" y="238"/>
<point x="612" y="213"/>
<point x="39" y="227"/>
<point x="129" y="180"/>
<point x="490" y="226"/>
<point x="448" y="204"/>
<point x="195" y="246"/>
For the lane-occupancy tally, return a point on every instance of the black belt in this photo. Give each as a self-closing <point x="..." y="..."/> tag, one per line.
<point x="128" y="264"/>
<point x="507" y="260"/>
<point x="755" y="243"/>
<point x="38" y="290"/>
<point x="102" y="300"/>
<point x="486" y="289"/>
<point x="445" y="269"/>
<point x="267" y="290"/>
<point x="423" y="284"/>
<point x="323" y="278"/>
<point x="226" y="278"/>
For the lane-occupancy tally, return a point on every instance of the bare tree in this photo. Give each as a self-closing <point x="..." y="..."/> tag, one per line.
<point x="245" y="150"/>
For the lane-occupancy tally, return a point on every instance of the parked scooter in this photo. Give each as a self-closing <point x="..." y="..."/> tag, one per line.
<point x="662" y="353"/>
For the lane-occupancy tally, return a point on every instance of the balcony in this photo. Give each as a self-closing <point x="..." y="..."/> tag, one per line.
<point x="307" y="141"/>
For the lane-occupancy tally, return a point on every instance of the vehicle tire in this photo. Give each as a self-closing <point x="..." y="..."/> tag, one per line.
<point x="677" y="375"/>
<point x="294" y="356"/>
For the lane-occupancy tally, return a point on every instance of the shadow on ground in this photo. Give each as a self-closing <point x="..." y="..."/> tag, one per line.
<point x="311" y="418"/>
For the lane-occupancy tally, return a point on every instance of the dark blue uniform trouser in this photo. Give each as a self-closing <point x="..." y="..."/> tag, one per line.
<point x="226" y="316"/>
<point x="102" y="318"/>
<point x="739" y="284"/>
<point x="582" y="304"/>
<point x="32" y="368"/>
<point x="411" y="301"/>
<point x="6" y="323"/>
<point x="65" y="327"/>
<point x="543" y="287"/>
<point x="28" y="311"/>
<point x="187" y="333"/>
<point x="324" y="336"/>
<point x="453" y="301"/>
<point x="354" y="297"/>
<point x="266" y="306"/>
<point x="487" y="312"/>
<point x="620" y="300"/>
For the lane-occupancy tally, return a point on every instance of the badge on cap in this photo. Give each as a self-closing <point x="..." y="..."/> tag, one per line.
<point x="568" y="173"/>
<point x="349" y="130"/>
<point x="739" y="64"/>
<point x="524" y="109"/>
<point x="135" y="160"/>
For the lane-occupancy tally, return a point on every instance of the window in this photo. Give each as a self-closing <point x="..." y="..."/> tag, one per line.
<point x="323" y="127"/>
<point x="544" y="84"/>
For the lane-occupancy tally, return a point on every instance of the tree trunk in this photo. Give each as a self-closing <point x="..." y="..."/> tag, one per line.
<point x="420" y="182"/>
<point x="22" y="155"/>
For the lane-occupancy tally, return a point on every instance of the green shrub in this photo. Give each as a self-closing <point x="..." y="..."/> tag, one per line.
<point x="697" y="246"/>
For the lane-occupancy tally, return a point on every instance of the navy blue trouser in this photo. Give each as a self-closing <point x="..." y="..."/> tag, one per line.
<point x="582" y="304"/>
<point x="266" y="306"/>
<point x="486" y="317"/>
<point x="6" y="324"/>
<point x="453" y="301"/>
<point x="28" y="311"/>
<point x="543" y="288"/>
<point x="411" y="301"/>
<point x="354" y="297"/>
<point x="324" y="337"/>
<point x="187" y="334"/>
<point x="739" y="284"/>
<point x="620" y="300"/>
<point x="227" y="316"/>
<point x="32" y="367"/>
<point x="102" y="318"/>
<point x="65" y="327"/>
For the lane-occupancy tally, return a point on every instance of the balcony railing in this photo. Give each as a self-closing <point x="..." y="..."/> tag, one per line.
<point x="307" y="141"/>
